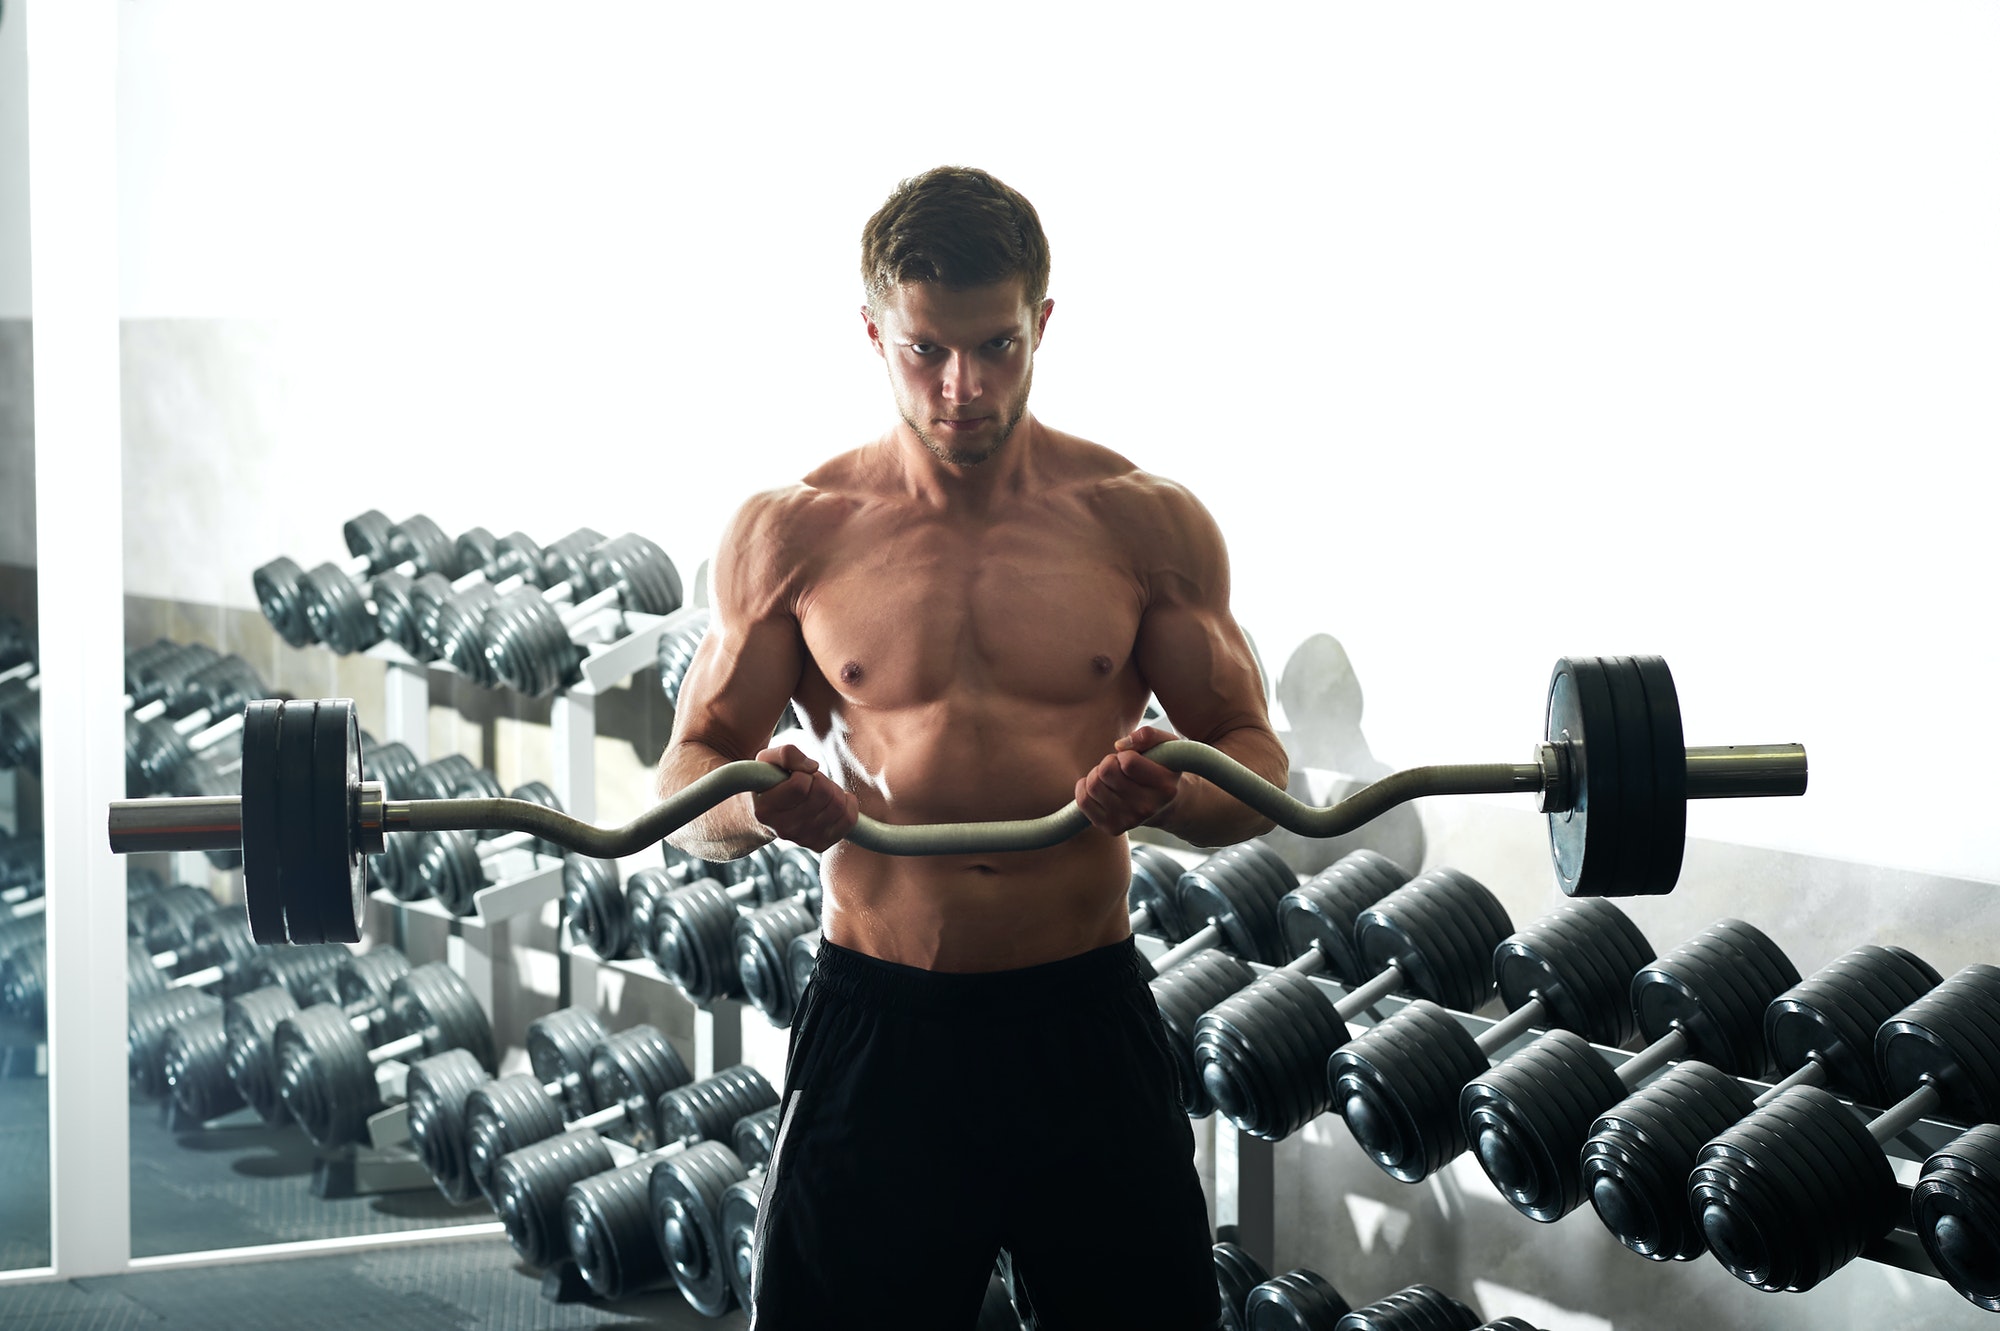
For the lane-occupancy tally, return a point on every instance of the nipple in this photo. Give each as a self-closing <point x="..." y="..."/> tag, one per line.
<point x="1101" y="664"/>
<point x="851" y="673"/>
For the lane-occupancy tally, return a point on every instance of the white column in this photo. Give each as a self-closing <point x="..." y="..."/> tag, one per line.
<point x="573" y="741"/>
<point x="406" y="709"/>
<point x="73" y="235"/>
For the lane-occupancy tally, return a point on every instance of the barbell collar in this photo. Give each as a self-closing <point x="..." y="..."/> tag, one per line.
<point x="1746" y="771"/>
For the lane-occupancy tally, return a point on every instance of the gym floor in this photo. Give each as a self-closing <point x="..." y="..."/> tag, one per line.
<point x="237" y="1183"/>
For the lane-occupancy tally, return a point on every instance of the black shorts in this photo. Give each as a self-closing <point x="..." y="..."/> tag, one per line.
<point x="931" y="1120"/>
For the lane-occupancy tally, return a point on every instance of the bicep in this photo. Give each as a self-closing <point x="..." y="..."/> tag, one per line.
<point x="748" y="665"/>
<point x="1190" y="649"/>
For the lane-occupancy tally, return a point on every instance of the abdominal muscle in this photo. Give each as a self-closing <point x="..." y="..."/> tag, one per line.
<point x="985" y="912"/>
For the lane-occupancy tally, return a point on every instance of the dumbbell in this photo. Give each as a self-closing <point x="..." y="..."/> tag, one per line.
<point x="736" y="1220"/>
<point x="627" y="1074"/>
<point x="763" y="941"/>
<point x="407" y="609"/>
<point x="686" y="1194"/>
<point x="155" y="676"/>
<point x="612" y="921"/>
<point x="194" y="1065"/>
<point x="289" y="974"/>
<point x="1262" y="1053"/>
<point x="454" y="866"/>
<point x="1821" y="1032"/>
<point x="1797" y="1188"/>
<point x="559" y="1045"/>
<point x="755" y="1136"/>
<point x="327" y="604"/>
<point x="208" y="711"/>
<point x="1529" y="1115"/>
<point x="1236" y="1274"/>
<point x="1236" y="891"/>
<point x="532" y="1184"/>
<point x="1153" y="895"/>
<point x="1304" y="1300"/>
<point x="527" y="641"/>
<point x="327" y="1074"/>
<point x="451" y="625"/>
<point x="692" y="934"/>
<point x="1955" y="1210"/>
<point x="1397" y="1083"/>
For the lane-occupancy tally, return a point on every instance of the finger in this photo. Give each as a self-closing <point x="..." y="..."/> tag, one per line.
<point x="1143" y="771"/>
<point x="788" y="756"/>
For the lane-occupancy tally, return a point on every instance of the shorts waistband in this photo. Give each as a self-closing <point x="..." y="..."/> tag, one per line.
<point x="1100" y="973"/>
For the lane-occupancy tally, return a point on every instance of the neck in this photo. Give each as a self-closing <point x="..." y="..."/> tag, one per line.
<point x="971" y="487"/>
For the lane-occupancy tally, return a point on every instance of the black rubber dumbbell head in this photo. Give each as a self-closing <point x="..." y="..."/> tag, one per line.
<point x="529" y="1187"/>
<point x="1238" y="890"/>
<point x="739" y="1233"/>
<point x="1955" y="1210"/>
<point x="708" y="1109"/>
<point x="1154" y="889"/>
<point x="1299" y="1300"/>
<point x="762" y="940"/>
<point x="608" y="1221"/>
<point x="147" y="1022"/>
<point x="1183" y="994"/>
<point x="432" y="1000"/>
<point x="692" y="941"/>
<point x="755" y="1136"/>
<point x="194" y="1063"/>
<point x="559" y="1046"/>
<point x="634" y="1068"/>
<point x="1412" y="1308"/>
<point x="684" y="1195"/>
<point x="434" y="1098"/>
<point x="1321" y="912"/>
<point x="502" y="1116"/>
<point x="1236" y="1274"/>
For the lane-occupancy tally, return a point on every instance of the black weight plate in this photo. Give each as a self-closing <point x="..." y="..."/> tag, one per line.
<point x="1639" y="1153"/>
<point x="300" y="872"/>
<point x="1662" y="868"/>
<point x="1299" y="1300"/>
<point x="263" y="889"/>
<point x="342" y="890"/>
<point x="1955" y="1210"/>
<point x="559" y="1046"/>
<point x="1634" y="756"/>
<point x="1397" y="1086"/>
<point x="1236" y="1274"/>
<point x="1413" y="1308"/>
<point x="529" y="1187"/>
<point x="1582" y="839"/>
<point x="367" y="535"/>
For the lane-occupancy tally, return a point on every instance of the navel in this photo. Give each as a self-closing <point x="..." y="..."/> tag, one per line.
<point x="851" y="673"/>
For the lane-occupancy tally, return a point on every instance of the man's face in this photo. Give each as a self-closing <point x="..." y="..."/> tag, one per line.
<point x="960" y="363"/>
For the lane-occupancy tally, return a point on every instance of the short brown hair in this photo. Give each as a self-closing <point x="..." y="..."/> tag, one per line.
<point x="956" y="226"/>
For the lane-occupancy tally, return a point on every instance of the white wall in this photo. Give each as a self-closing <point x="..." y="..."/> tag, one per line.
<point x="13" y="161"/>
<point x="1489" y="333"/>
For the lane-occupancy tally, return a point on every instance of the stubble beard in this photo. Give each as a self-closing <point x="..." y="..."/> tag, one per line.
<point x="958" y="457"/>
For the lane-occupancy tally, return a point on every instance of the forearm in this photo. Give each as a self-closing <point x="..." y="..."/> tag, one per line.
<point x="1203" y="814"/>
<point x="728" y="831"/>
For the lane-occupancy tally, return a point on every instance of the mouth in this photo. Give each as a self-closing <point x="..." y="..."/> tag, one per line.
<point x="964" y="423"/>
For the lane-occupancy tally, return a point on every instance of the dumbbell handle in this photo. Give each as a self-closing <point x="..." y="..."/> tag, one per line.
<point x="33" y="906"/>
<point x="408" y="1044"/>
<point x="1900" y="1116"/>
<point x="17" y="672"/>
<point x="14" y="895"/>
<point x="1809" y="1073"/>
<point x="197" y="979"/>
<point x="1521" y="1020"/>
<point x="1652" y="1058"/>
<point x="216" y="823"/>
<point x="1141" y="920"/>
<point x="606" y="1117"/>
<point x="359" y="566"/>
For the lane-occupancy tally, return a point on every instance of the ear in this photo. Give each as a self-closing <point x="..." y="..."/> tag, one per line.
<point x="874" y="333"/>
<point x="1042" y="320"/>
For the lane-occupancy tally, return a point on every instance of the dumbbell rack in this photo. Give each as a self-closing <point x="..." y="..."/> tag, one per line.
<point x="1246" y="1191"/>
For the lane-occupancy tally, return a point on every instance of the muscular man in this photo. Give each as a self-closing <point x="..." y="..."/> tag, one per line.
<point x="969" y="612"/>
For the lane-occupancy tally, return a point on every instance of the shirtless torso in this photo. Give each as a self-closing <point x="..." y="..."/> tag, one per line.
<point x="967" y="650"/>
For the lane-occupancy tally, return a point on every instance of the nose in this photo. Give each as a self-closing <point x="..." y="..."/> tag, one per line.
<point x="961" y="378"/>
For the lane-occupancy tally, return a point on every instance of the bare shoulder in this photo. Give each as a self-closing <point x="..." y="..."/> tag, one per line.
<point x="777" y="539"/>
<point x="1168" y="531"/>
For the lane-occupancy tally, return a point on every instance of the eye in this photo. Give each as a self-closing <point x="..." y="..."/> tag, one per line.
<point x="1001" y="343"/>
<point x="922" y="348"/>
